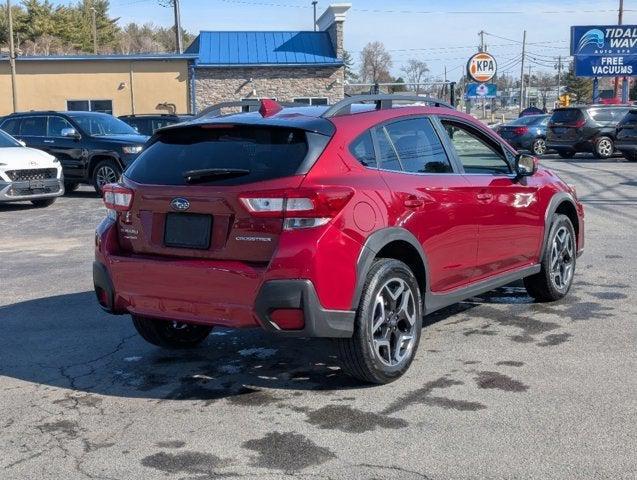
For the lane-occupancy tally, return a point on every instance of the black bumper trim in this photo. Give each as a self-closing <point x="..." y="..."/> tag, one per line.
<point x="102" y="280"/>
<point x="319" y="322"/>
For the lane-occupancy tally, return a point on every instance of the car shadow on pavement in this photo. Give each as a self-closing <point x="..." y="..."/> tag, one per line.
<point x="67" y="341"/>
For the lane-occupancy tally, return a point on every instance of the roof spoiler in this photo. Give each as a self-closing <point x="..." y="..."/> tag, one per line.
<point x="382" y="101"/>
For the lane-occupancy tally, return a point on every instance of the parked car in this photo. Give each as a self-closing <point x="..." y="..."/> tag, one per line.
<point x="587" y="128"/>
<point x="93" y="147"/>
<point x="627" y="136"/>
<point x="526" y="133"/>
<point x="149" y="124"/>
<point x="27" y="174"/>
<point x="347" y="222"/>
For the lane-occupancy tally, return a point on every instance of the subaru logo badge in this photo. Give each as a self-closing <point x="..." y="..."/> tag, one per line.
<point x="180" y="204"/>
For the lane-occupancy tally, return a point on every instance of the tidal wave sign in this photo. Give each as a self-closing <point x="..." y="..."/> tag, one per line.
<point x="604" y="50"/>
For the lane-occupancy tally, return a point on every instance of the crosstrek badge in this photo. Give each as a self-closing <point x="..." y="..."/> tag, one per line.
<point x="481" y="67"/>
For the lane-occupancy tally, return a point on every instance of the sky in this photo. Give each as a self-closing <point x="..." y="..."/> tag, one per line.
<point x="442" y="33"/>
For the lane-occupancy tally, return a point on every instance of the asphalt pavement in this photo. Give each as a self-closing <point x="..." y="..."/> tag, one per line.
<point x="501" y="387"/>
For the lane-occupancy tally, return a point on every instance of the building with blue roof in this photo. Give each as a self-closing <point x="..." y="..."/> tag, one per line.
<point x="303" y="66"/>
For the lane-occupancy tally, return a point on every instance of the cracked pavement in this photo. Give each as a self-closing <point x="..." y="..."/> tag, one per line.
<point x="501" y="387"/>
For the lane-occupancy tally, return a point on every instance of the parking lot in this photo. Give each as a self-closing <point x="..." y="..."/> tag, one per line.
<point x="501" y="387"/>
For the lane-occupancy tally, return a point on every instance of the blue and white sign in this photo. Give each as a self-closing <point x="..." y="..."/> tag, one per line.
<point x="481" y="90"/>
<point x="615" y="40"/>
<point x="604" y="50"/>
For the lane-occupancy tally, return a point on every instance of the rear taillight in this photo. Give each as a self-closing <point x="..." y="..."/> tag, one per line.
<point x="520" y="130"/>
<point x="300" y="208"/>
<point x="117" y="197"/>
<point x="580" y="123"/>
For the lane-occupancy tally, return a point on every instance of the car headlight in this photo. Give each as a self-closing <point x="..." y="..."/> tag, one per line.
<point x="132" y="149"/>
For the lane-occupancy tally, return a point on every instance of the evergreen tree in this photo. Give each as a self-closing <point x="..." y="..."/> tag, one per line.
<point x="579" y="88"/>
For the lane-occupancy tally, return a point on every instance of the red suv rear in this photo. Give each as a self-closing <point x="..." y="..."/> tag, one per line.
<point x="348" y="222"/>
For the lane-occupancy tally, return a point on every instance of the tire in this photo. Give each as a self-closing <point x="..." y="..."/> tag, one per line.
<point x="71" y="187"/>
<point x="45" y="202"/>
<point x="630" y="156"/>
<point x="169" y="334"/>
<point x="604" y="147"/>
<point x="365" y="355"/>
<point x="106" y="171"/>
<point x="566" y="153"/>
<point x="560" y="252"/>
<point x="539" y="146"/>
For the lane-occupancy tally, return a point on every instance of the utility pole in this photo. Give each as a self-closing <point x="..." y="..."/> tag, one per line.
<point x="314" y="5"/>
<point x="14" y="90"/>
<point x="620" y="19"/>
<point x="483" y="47"/>
<point x="528" y="89"/>
<point x="94" y="15"/>
<point x="522" y="72"/>
<point x="178" y="40"/>
<point x="559" y="78"/>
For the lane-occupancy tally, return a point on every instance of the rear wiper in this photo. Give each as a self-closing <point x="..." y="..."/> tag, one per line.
<point x="198" y="176"/>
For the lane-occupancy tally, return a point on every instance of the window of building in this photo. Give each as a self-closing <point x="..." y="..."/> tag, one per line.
<point x="477" y="152"/>
<point x="103" y="106"/>
<point x="311" y="100"/>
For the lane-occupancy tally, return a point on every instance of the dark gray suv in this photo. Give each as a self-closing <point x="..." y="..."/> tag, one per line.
<point x="587" y="128"/>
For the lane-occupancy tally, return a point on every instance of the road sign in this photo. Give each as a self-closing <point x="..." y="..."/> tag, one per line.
<point x="604" y="50"/>
<point x="481" y="90"/>
<point x="481" y="67"/>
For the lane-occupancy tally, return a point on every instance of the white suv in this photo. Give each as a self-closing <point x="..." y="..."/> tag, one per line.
<point x="27" y="174"/>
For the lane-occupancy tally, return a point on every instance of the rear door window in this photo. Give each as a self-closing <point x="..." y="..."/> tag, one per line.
<point x="418" y="146"/>
<point x="33" y="126"/>
<point x="262" y="153"/>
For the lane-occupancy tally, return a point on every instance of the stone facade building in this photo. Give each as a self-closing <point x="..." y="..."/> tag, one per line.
<point x="287" y="66"/>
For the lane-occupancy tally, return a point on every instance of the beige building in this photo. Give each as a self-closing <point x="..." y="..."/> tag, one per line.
<point x="117" y="84"/>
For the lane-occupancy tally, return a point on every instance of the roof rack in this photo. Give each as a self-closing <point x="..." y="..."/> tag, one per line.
<point x="252" y="104"/>
<point x="383" y="102"/>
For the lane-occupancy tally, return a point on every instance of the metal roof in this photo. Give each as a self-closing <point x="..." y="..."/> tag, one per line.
<point x="217" y="49"/>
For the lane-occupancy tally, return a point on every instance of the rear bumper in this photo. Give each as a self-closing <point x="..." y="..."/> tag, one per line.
<point x="574" y="146"/>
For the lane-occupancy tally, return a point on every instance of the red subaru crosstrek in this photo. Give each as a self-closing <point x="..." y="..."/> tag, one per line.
<point x="350" y="222"/>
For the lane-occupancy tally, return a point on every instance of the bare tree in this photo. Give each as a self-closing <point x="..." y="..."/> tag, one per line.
<point x="375" y="63"/>
<point x="546" y="83"/>
<point x="415" y="71"/>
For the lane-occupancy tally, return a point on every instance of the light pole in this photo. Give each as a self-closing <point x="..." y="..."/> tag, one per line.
<point x="180" y="46"/>
<point x="14" y="88"/>
<point x="94" y="15"/>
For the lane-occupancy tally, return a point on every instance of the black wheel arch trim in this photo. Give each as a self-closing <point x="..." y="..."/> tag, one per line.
<point x="374" y="244"/>
<point x="554" y="204"/>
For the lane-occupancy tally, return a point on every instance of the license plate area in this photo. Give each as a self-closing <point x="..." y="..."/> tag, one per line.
<point x="188" y="230"/>
<point x="36" y="184"/>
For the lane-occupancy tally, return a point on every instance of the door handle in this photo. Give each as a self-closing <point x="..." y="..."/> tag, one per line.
<point x="413" y="202"/>
<point x="484" y="197"/>
<point x="48" y="141"/>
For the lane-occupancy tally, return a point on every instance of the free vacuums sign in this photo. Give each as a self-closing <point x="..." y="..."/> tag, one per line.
<point x="481" y="67"/>
<point x="604" y="50"/>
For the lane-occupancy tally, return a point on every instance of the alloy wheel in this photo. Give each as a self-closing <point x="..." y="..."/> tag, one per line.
<point x="106" y="175"/>
<point x="562" y="259"/>
<point x="605" y="147"/>
<point x="539" y="146"/>
<point x="393" y="322"/>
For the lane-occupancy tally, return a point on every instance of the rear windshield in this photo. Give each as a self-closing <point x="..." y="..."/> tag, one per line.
<point x="570" y="115"/>
<point x="530" y="120"/>
<point x="264" y="153"/>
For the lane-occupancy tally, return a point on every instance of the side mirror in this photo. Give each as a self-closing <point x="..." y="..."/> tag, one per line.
<point x="70" y="132"/>
<point x="22" y="142"/>
<point x="525" y="165"/>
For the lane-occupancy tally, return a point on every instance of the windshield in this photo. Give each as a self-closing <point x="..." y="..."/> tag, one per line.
<point x="102" y="125"/>
<point x="7" y="141"/>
